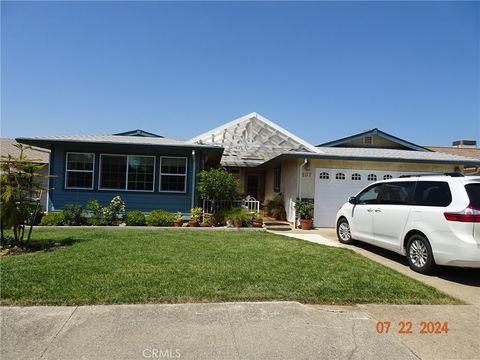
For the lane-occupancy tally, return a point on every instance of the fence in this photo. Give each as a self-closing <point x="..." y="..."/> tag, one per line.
<point x="249" y="203"/>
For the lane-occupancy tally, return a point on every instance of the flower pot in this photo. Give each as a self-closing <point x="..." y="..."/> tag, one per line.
<point x="204" y="225"/>
<point x="178" y="223"/>
<point x="306" y="224"/>
<point x="238" y="223"/>
<point x="193" y="223"/>
<point x="257" y="224"/>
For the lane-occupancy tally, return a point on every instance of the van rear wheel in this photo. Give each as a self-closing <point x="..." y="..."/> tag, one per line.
<point x="420" y="255"/>
<point x="343" y="232"/>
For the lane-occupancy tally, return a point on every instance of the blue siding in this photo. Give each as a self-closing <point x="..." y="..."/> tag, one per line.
<point x="134" y="200"/>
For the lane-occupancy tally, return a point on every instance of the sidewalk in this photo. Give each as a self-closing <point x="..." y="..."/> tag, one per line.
<point x="269" y="330"/>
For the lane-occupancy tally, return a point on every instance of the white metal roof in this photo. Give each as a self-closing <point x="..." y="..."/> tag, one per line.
<point x="251" y="140"/>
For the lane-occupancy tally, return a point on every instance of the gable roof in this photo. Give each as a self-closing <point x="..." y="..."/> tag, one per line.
<point x="251" y="140"/>
<point x="7" y="147"/>
<point x="374" y="132"/>
<point x="138" y="132"/>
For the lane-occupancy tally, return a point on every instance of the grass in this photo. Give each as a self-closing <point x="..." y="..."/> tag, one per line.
<point x="117" y="266"/>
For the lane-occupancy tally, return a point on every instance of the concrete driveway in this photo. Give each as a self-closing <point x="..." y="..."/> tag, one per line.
<point x="464" y="284"/>
<point x="269" y="330"/>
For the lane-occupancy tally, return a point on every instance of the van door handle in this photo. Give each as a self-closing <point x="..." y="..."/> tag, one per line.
<point x="370" y="210"/>
<point x="378" y="210"/>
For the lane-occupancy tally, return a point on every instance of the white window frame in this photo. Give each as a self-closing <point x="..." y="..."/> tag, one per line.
<point x="90" y="171"/>
<point x="126" y="173"/>
<point x="160" y="177"/>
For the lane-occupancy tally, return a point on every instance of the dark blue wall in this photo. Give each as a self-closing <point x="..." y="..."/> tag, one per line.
<point x="134" y="200"/>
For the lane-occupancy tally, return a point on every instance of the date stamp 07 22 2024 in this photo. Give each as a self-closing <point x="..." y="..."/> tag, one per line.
<point x="408" y="327"/>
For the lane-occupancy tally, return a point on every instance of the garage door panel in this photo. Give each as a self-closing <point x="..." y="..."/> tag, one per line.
<point x="332" y="193"/>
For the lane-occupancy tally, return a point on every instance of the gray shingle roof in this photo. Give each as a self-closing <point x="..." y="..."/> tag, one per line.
<point x="7" y="148"/>
<point x="113" y="139"/>
<point x="387" y="155"/>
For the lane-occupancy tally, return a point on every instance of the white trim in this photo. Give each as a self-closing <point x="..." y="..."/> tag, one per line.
<point x="126" y="172"/>
<point x="83" y="171"/>
<point x="261" y="118"/>
<point x="160" y="175"/>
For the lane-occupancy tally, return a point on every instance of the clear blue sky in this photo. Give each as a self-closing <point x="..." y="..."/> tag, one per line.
<point x="322" y="70"/>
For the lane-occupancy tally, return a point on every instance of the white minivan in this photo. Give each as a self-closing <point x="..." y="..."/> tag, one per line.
<point x="431" y="219"/>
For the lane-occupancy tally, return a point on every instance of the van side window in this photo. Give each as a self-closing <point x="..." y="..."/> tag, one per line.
<point x="432" y="193"/>
<point x="396" y="193"/>
<point x="369" y="195"/>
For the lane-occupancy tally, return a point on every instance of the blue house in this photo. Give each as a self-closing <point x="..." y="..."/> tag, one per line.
<point x="148" y="171"/>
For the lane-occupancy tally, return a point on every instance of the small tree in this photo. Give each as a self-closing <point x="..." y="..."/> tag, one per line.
<point x="217" y="184"/>
<point x="20" y="194"/>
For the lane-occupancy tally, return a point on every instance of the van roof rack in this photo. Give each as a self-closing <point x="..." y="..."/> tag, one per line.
<point x="452" y="174"/>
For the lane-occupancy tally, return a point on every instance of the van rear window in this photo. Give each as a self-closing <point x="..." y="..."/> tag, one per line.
<point x="473" y="191"/>
<point x="432" y="193"/>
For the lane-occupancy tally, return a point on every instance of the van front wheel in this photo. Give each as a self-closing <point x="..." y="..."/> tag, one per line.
<point x="343" y="232"/>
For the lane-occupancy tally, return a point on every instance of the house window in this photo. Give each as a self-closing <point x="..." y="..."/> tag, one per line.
<point x="368" y="140"/>
<point x="127" y="172"/>
<point x="387" y="177"/>
<point x="372" y="177"/>
<point x="324" y="176"/>
<point x="277" y="177"/>
<point x="173" y="174"/>
<point x="79" y="170"/>
<point x="356" y="176"/>
<point x="340" y="176"/>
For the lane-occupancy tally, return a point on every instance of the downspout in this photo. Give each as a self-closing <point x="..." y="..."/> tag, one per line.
<point x="299" y="194"/>
<point x="194" y="176"/>
<point x="47" y="204"/>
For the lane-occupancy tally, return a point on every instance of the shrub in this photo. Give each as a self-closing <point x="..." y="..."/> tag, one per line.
<point x="114" y="212"/>
<point x="275" y="204"/>
<point x="160" y="218"/>
<point x="217" y="184"/>
<point x="53" y="219"/>
<point x="235" y="214"/>
<point x="135" y="218"/>
<point x="72" y="215"/>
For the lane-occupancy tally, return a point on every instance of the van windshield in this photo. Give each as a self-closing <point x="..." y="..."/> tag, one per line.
<point x="473" y="191"/>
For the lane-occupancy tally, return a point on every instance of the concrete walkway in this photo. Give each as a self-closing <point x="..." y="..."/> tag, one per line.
<point x="270" y="330"/>
<point x="464" y="284"/>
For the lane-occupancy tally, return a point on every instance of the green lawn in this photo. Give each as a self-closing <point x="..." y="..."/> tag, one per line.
<point x="105" y="266"/>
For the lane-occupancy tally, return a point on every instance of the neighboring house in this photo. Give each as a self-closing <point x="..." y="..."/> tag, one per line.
<point x="269" y="160"/>
<point x="148" y="171"/>
<point x="38" y="155"/>
<point x="152" y="172"/>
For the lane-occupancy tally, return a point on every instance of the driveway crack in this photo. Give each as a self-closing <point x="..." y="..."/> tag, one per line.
<point x="58" y="332"/>
<point x="232" y="332"/>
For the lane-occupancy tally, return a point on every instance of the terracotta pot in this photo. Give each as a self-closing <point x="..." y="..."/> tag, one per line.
<point x="238" y="223"/>
<point x="257" y="224"/>
<point x="178" y="223"/>
<point x="193" y="223"/>
<point x="306" y="224"/>
<point x="204" y="225"/>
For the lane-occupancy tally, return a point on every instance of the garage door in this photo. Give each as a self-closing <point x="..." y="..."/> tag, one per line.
<point x="333" y="187"/>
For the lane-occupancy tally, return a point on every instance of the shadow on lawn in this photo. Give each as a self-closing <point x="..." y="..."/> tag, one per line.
<point x="466" y="276"/>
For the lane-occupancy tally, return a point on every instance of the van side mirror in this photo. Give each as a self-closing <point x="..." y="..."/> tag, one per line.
<point x="352" y="200"/>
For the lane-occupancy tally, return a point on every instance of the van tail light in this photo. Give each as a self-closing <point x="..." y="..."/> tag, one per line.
<point x="470" y="214"/>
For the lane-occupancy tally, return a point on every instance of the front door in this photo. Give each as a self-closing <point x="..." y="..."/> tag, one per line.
<point x="252" y="186"/>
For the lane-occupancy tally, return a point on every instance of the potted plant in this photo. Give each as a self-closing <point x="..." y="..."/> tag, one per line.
<point x="257" y="221"/>
<point x="195" y="217"/>
<point x="207" y="220"/>
<point x="178" y="222"/>
<point x="305" y="213"/>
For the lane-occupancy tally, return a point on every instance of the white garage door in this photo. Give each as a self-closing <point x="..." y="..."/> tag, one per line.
<point x="333" y="187"/>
